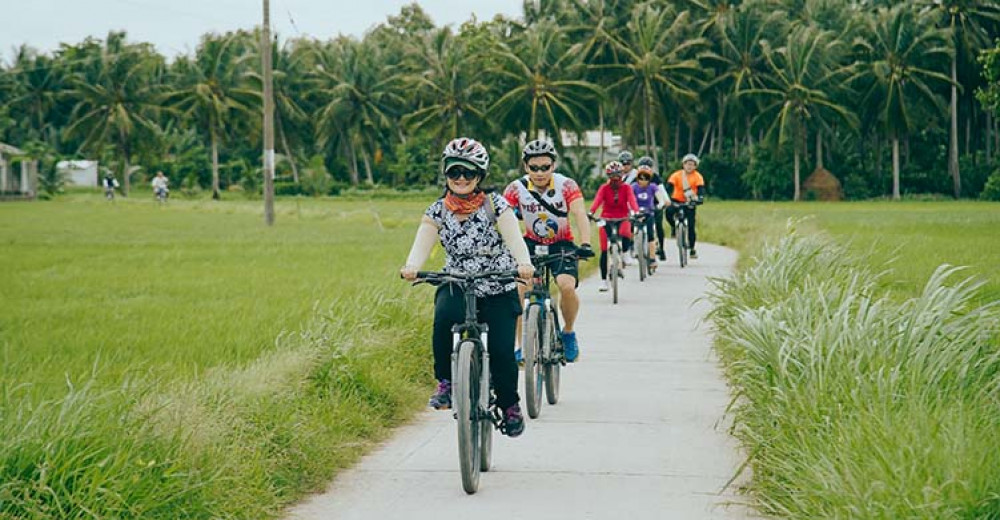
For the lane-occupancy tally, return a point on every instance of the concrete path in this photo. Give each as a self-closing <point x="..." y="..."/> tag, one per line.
<point x="637" y="433"/>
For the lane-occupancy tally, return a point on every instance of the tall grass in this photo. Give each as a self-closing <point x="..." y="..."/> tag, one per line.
<point x="854" y="404"/>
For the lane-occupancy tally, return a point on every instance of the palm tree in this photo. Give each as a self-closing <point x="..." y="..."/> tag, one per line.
<point x="968" y="20"/>
<point x="893" y="80"/>
<point x="656" y="59"/>
<point x="799" y="91"/>
<point x="211" y="92"/>
<point x="287" y="65"/>
<point x="119" y="101"/>
<point x="36" y="82"/>
<point x="539" y="74"/>
<point x="357" y="93"/>
<point x="451" y="93"/>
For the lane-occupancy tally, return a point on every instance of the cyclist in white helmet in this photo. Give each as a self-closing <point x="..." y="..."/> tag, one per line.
<point x="686" y="185"/>
<point x="479" y="233"/>
<point x="546" y="199"/>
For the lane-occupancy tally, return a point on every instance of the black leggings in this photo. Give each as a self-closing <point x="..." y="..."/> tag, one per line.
<point x="692" y="235"/>
<point x="500" y="313"/>
<point x="658" y="222"/>
<point x="626" y="246"/>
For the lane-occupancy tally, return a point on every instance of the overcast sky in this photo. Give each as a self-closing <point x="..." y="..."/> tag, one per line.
<point x="175" y="26"/>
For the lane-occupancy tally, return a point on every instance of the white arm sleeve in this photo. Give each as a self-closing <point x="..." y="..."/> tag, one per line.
<point x="661" y="194"/>
<point x="426" y="237"/>
<point x="511" y="233"/>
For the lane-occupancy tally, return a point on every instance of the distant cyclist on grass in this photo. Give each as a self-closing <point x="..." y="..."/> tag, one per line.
<point x="479" y="233"/>
<point x="545" y="199"/>
<point x="686" y="186"/>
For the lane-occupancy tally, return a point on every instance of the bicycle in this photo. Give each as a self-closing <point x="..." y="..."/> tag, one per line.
<point x="541" y="343"/>
<point x="109" y="193"/>
<point x="473" y="398"/>
<point x="616" y="262"/>
<point x="641" y="247"/>
<point x="161" y="195"/>
<point x="681" y="230"/>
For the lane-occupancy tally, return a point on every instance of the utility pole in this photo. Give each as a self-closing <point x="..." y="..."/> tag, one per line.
<point x="265" y="58"/>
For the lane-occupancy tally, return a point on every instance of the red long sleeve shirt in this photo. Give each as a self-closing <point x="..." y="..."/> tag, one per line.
<point x="616" y="203"/>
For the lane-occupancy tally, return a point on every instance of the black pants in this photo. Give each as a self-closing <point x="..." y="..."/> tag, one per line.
<point x="604" y="257"/>
<point x="500" y="313"/>
<point x="692" y="235"/>
<point x="658" y="222"/>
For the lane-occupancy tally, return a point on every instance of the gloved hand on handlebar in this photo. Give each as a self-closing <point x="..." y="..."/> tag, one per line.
<point x="584" y="251"/>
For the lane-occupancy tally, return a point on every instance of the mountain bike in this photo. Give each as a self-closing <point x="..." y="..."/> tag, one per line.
<point x="681" y="230"/>
<point x="473" y="399"/>
<point x="641" y="247"/>
<point x="541" y="342"/>
<point x="616" y="260"/>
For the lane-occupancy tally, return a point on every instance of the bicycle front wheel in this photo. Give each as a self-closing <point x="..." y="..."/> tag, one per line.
<point x="682" y="243"/>
<point x="532" y="365"/>
<point x="552" y="362"/>
<point x="640" y="253"/>
<point x="465" y="391"/>
<point x="614" y="257"/>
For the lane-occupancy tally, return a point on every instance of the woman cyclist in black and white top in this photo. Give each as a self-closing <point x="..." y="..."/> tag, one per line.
<point x="479" y="233"/>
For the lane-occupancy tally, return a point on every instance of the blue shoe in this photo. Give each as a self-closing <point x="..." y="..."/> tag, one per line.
<point x="519" y="357"/>
<point x="513" y="421"/>
<point x="441" y="400"/>
<point x="570" y="346"/>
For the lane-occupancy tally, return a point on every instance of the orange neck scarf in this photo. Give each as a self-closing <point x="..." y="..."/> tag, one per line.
<point x="464" y="205"/>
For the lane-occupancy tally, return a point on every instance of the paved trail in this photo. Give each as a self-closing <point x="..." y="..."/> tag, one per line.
<point x="634" y="435"/>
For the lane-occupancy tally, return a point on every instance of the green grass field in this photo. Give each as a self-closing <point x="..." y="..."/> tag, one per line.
<point x="192" y="362"/>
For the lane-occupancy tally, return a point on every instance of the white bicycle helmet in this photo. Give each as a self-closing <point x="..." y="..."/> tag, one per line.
<point x="690" y="157"/>
<point x="539" y="147"/>
<point x="466" y="152"/>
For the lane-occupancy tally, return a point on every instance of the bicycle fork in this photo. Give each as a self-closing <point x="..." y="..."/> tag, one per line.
<point x="486" y="408"/>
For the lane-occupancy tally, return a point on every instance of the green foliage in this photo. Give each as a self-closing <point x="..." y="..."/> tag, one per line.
<point x="854" y="404"/>
<point x="992" y="189"/>
<point x="767" y="176"/>
<point x="724" y="175"/>
<point x="316" y="180"/>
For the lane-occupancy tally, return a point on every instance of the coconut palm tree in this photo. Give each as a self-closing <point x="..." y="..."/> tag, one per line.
<point x="894" y="79"/>
<point x="118" y="102"/>
<point x="211" y="90"/>
<point x="542" y="83"/>
<point x="800" y="90"/>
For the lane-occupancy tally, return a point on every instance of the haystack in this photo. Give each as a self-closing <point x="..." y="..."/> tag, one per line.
<point x="822" y="185"/>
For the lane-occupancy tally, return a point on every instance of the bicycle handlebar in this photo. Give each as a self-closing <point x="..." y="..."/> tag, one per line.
<point x="440" y="277"/>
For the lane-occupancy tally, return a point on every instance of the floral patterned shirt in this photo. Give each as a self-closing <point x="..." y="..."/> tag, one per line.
<point x="474" y="245"/>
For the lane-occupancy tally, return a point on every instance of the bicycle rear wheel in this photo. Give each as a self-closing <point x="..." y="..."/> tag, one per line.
<point x="614" y="257"/>
<point x="552" y="362"/>
<point x="532" y="361"/>
<point x="465" y="391"/>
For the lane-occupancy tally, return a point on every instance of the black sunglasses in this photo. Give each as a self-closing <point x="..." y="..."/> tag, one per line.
<point x="540" y="167"/>
<point x="455" y="172"/>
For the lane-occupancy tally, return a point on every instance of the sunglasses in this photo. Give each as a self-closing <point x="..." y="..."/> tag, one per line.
<point x="540" y="167"/>
<point x="459" y="171"/>
<point x="645" y="177"/>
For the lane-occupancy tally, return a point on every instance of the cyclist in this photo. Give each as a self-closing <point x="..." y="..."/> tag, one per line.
<point x="616" y="200"/>
<point x="687" y="186"/>
<point x="545" y="199"/>
<point x="646" y="160"/>
<point x="649" y="198"/>
<point x="160" y="185"/>
<point x="110" y="183"/>
<point x="625" y="157"/>
<point x="479" y="233"/>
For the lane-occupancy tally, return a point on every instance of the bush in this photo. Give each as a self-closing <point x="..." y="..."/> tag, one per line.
<point x="768" y="176"/>
<point x="316" y="180"/>
<point x="992" y="189"/>
<point x="724" y="176"/>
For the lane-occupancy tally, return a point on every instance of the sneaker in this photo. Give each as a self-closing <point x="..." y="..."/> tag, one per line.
<point x="627" y="260"/>
<point x="513" y="421"/>
<point x="603" y="287"/>
<point x="570" y="345"/>
<point x="693" y="254"/>
<point x="441" y="400"/>
<point x="519" y="357"/>
<point x="661" y="254"/>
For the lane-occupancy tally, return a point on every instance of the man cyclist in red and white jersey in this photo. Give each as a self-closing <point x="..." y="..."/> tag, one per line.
<point x="545" y="200"/>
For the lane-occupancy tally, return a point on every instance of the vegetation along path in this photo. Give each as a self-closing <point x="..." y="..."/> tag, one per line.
<point x="638" y="432"/>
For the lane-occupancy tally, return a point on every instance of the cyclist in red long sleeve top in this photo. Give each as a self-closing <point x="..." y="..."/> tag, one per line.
<point x="616" y="200"/>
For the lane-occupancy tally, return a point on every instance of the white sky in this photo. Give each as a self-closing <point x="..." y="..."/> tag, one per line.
<point x="175" y="26"/>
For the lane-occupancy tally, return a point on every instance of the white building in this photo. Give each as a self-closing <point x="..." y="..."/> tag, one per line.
<point x="79" y="173"/>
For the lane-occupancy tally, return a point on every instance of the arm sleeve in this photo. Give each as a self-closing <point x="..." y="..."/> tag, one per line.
<point x="511" y="233"/>
<point x="661" y="194"/>
<point x="422" y="243"/>
<point x="597" y="199"/>
<point x="633" y="204"/>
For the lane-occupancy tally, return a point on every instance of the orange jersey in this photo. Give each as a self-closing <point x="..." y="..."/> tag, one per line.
<point x="694" y="181"/>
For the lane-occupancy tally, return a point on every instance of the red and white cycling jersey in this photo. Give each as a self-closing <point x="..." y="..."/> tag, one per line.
<point x="540" y="223"/>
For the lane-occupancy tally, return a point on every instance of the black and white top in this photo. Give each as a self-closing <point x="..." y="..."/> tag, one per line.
<point x="474" y="245"/>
